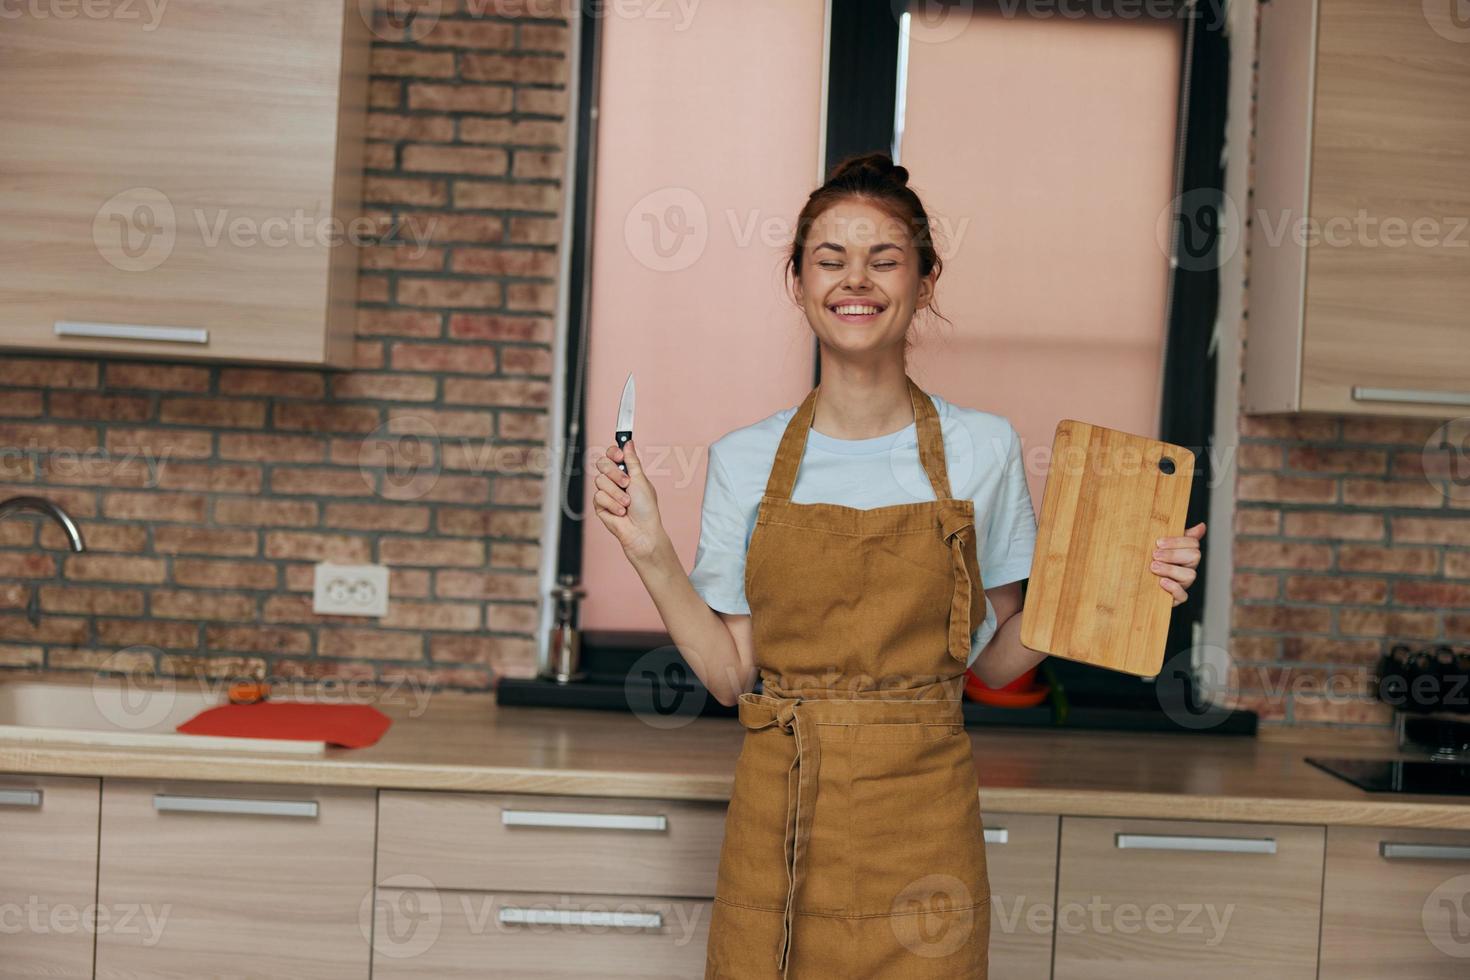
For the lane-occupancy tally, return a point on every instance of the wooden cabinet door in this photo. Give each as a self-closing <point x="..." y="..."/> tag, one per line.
<point x="236" y="880"/>
<point x="1202" y="900"/>
<point x="1396" y="903"/>
<point x="48" y="876"/>
<point x="1388" y="274"/>
<point x="1021" y="857"/>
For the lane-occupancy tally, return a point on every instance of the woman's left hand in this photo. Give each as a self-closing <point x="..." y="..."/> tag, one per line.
<point x="1175" y="561"/>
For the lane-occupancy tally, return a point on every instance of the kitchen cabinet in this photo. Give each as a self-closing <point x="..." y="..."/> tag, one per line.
<point x="1021" y="858"/>
<point x="48" y="876"/>
<point x="1164" y="899"/>
<point x="1360" y="250"/>
<point x="273" y="880"/>
<point x="185" y="188"/>
<point x="1396" y="903"/>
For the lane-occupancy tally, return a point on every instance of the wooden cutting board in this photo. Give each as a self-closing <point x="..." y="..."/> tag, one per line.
<point x="1092" y="597"/>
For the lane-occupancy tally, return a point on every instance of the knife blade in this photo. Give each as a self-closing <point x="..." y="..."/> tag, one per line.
<point x="625" y="417"/>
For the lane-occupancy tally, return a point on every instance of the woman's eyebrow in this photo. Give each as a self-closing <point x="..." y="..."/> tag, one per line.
<point x="880" y="247"/>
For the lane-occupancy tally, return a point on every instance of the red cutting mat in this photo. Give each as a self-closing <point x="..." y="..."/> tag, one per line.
<point x="352" y="726"/>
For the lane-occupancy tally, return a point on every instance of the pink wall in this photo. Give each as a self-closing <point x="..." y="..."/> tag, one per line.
<point x="1046" y="148"/>
<point x="708" y="146"/>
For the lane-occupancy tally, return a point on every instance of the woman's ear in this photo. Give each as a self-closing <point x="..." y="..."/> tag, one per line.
<point x="926" y="291"/>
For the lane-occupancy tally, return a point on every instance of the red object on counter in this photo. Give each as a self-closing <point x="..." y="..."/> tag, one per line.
<point x="352" y="726"/>
<point x="1023" y="692"/>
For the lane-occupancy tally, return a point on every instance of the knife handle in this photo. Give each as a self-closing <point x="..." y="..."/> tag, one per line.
<point x="623" y="436"/>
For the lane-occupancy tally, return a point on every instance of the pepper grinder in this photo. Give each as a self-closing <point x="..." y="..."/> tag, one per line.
<point x="563" y="659"/>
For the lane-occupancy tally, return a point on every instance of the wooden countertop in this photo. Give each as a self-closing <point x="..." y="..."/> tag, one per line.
<point x="465" y="742"/>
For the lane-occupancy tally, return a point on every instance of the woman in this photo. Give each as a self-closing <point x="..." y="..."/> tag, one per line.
<point x="841" y="552"/>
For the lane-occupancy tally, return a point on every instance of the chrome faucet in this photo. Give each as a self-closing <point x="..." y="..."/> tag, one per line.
<point x="48" y="508"/>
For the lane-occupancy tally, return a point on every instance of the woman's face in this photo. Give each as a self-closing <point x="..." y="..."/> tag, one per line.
<point x="860" y="283"/>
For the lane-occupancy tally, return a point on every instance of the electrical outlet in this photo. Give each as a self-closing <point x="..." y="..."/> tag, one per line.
<point x="350" y="590"/>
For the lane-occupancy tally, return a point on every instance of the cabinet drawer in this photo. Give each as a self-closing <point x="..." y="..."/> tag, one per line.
<point x="551" y="843"/>
<point x="276" y="880"/>
<point x="1164" y="899"/>
<point x="1396" y="903"/>
<point x="1021" y="858"/>
<point x="447" y="935"/>
<point x="48" y="875"/>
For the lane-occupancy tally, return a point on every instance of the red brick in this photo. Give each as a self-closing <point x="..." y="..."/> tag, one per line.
<point x="439" y="226"/>
<point x="154" y="444"/>
<point x="505" y="523"/>
<point x="1272" y="487"/>
<point x="535" y="231"/>
<point x="1330" y="649"/>
<point x="450" y="584"/>
<point x="504" y="262"/>
<point x="396" y="323"/>
<point x="367" y="355"/>
<point x="459" y="98"/>
<point x="482" y="326"/>
<point x="401" y="256"/>
<point x="423" y="129"/>
<point x="271" y="448"/>
<point x="378" y="517"/>
<point x="20" y="404"/>
<point x="31" y="372"/>
<point x="321" y="481"/>
<point x="506" y="554"/>
<point x="15" y="628"/>
<point x="41" y="436"/>
<point x="527" y="132"/>
<point x="89" y="405"/>
<point x="26" y="565"/>
<point x="1457" y="564"/>
<point x="423" y="421"/>
<point x="484" y="161"/>
<point x="459" y="678"/>
<point x="157" y="377"/>
<point x="148" y="632"/>
<point x="307" y="546"/>
<point x="1337" y="460"/>
<point x="431" y="552"/>
<point x="176" y="507"/>
<point x="1281" y="554"/>
<point x="522" y="425"/>
<point x="439" y="488"/>
<point x="1341" y="589"/>
<point x="15" y="656"/>
<point x="450" y="293"/>
<point x="399" y="190"/>
<point x="1365" y="558"/>
<point x="1414" y="432"/>
<point x="217" y="668"/>
<point x="514" y="492"/>
<point x="530" y="70"/>
<point x="268" y="381"/>
<point x="440" y="358"/>
<point x="1435" y="595"/>
<point x="205" y="574"/>
<point x="317" y="670"/>
<point x="73" y="598"/>
<point x="325" y="417"/>
<point x="431" y="615"/>
<point x="1334" y="525"/>
<point x="99" y="537"/>
<point x="1341" y="710"/>
<point x="198" y="604"/>
<point x="1457" y="627"/>
<point x="1431" y="530"/>
<point x="525" y="360"/>
<point x="544" y="37"/>
<point x="136" y="659"/>
<point x="520" y="617"/>
<point x="115" y="568"/>
<point x="370" y="645"/>
<point x="542" y="101"/>
<point x="218" y="413"/>
<point x="265" y="513"/>
<point x="538" y="164"/>
<point x="1391" y="493"/>
<point x="384" y="93"/>
<point x="469" y="34"/>
<point x="257" y="639"/>
<point x="517" y="392"/>
<point x="423" y="64"/>
<point x="385" y="387"/>
<point x="101" y="470"/>
<point x="1255" y="585"/>
<point x="1383" y="622"/>
<point x="1296" y="427"/>
<point x="204" y="541"/>
<point x="218" y="477"/>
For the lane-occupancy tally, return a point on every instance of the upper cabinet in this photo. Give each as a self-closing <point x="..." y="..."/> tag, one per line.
<point x="182" y="182"/>
<point x="1360" y="251"/>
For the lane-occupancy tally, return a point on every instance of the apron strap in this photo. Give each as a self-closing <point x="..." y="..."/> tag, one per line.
<point x="793" y="444"/>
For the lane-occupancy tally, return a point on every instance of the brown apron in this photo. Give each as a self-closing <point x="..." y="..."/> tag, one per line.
<point x="853" y="845"/>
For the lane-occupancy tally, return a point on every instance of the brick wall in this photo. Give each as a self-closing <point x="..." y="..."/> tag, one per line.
<point x="206" y="494"/>
<point x="1349" y="537"/>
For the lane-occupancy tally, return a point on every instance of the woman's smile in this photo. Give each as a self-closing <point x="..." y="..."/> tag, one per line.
<point x="856" y="310"/>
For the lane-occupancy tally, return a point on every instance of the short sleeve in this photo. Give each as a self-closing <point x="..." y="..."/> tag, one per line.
<point x="724" y="536"/>
<point x="1010" y="536"/>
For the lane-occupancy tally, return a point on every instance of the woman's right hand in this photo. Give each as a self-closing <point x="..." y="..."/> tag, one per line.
<point x="626" y="502"/>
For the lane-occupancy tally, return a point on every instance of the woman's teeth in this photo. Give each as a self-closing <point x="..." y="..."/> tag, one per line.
<point x="855" y="310"/>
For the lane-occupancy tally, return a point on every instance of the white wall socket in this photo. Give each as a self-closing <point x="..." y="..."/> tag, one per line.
<point x="350" y="590"/>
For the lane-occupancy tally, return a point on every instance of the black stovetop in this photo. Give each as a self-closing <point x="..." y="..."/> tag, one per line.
<point x="1416" y="776"/>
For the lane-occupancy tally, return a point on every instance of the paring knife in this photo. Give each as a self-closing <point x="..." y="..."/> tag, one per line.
<point x="625" y="417"/>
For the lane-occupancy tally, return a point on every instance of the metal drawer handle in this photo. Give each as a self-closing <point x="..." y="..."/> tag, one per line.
<point x="20" y="797"/>
<point x="132" y="331"/>
<point x="164" y="803"/>
<point x="1191" y="842"/>
<point x="1413" y="396"/>
<point x="997" y="835"/>
<point x="571" y="917"/>
<point x="583" y="821"/>
<point x="1424" y="852"/>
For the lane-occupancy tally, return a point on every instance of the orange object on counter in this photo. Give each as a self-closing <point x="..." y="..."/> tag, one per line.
<point x="351" y="726"/>
<point x="248" y="692"/>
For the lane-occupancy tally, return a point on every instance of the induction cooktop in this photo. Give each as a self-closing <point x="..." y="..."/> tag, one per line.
<point x="1401" y="775"/>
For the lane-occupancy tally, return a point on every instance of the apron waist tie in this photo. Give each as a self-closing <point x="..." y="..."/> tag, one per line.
<point x="959" y="534"/>
<point x="759" y="711"/>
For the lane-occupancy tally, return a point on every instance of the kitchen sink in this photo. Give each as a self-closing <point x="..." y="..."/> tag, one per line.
<point x="139" y="713"/>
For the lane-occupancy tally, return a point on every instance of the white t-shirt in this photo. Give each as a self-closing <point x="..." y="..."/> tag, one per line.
<point x="982" y="454"/>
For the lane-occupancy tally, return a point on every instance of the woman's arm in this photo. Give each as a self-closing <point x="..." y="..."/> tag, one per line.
<point x="717" y="646"/>
<point x="1005" y="657"/>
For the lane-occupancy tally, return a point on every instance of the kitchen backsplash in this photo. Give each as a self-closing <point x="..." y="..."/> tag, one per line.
<point x="206" y="494"/>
